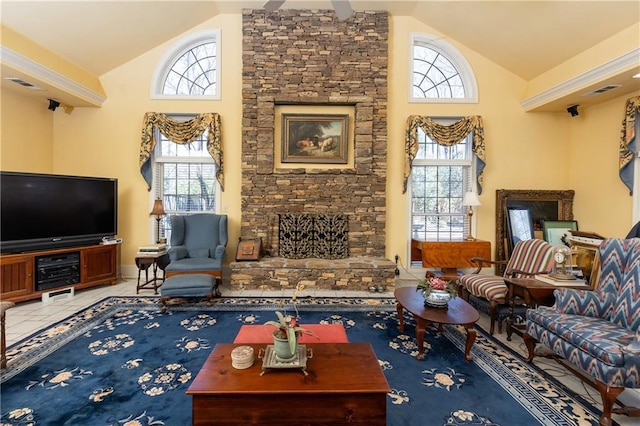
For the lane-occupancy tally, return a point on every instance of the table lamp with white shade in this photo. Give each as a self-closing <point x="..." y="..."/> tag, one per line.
<point x="470" y="199"/>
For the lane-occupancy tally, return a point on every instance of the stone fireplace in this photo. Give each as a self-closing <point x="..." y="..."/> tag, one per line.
<point x="310" y="58"/>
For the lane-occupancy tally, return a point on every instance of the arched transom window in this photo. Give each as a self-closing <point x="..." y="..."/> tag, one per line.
<point x="439" y="73"/>
<point x="190" y="69"/>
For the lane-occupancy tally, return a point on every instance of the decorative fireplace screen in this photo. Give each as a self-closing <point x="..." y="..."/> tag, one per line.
<point x="322" y="236"/>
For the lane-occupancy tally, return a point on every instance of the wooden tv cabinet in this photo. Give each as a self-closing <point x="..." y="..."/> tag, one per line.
<point x="98" y="266"/>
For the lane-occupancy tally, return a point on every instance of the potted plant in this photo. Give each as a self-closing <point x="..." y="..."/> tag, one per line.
<point x="436" y="291"/>
<point x="285" y="336"/>
<point x="287" y="331"/>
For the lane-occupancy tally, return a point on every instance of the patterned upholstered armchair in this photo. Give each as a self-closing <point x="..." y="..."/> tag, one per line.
<point x="489" y="292"/>
<point x="598" y="331"/>
<point x="198" y="244"/>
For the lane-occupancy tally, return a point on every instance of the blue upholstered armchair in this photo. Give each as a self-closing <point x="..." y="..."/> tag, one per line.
<point x="598" y="331"/>
<point x="198" y="244"/>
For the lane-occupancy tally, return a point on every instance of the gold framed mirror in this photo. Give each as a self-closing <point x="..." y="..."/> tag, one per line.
<point x="543" y="205"/>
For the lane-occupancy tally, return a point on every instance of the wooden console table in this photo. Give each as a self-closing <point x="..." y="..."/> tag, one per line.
<point x="449" y="255"/>
<point x="344" y="386"/>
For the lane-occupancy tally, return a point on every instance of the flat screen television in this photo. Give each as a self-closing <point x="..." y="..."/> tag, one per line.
<point x="44" y="211"/>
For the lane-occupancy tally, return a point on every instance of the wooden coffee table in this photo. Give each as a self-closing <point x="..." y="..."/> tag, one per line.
<point x="344" y="386"/>
<point x="459" y="312"/>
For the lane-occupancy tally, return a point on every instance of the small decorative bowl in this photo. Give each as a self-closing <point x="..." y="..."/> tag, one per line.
<point x="437" y="299"/>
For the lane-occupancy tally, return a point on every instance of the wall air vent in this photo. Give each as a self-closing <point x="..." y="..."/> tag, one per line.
<point x="602" y="90"/>
<point x="24" y="83"/>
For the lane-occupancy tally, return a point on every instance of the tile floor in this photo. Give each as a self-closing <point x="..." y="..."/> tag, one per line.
<point x="28" y="317"/>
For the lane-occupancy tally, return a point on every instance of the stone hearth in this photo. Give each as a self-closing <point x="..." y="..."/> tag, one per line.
<point x="354" y="273"/>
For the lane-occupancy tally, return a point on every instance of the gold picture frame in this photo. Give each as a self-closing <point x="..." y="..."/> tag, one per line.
<point x="544" y="205"/>
<point x="315" y="138"/>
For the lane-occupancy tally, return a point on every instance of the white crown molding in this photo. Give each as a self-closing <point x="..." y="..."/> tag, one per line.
<point x="593" y="76"/>
<point x="18" y="61"/>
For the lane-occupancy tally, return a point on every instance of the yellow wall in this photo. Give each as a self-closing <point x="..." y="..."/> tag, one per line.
<point x="602" y="203"/>
<point x="26" y="138"/>
<point x="106" y="141"/>
<point x="524" y="150"/>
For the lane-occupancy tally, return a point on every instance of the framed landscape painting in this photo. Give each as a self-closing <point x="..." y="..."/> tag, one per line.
<point x="315" y="138"/>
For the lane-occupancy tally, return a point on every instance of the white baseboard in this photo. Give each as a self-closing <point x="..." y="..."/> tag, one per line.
<point x="130" y="272"/>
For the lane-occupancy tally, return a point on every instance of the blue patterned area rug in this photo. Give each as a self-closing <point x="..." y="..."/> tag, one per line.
<point x="124" y="362"/>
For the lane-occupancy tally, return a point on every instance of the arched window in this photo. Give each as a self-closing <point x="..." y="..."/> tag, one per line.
<point x="439" y="72"/>
<point x="441" y="174"/>
<point x="190" y="69"/>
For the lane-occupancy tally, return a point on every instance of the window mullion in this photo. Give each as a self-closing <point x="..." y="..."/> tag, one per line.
<point x="185" y="177"/>
<point x="436" y="213"/>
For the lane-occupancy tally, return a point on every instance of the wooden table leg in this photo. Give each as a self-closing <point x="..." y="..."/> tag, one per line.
<point x="399" y="308"/>
<point x="155" y="278"/>
<point x="449" y="273"/>
<point x="471" y="337"/>
<point x="511" y="301"/>
<point x="3" y="345"/>
<point x="144" y="264"/>
<point x="3" y="339"/>
<point x="421" y="325"/>
<point x="138" y="285"/>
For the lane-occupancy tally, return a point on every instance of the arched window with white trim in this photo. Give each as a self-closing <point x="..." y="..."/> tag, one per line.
<point x="439" y="72"/>
<point x="190" y="69"/>
<point x="440" y="175"/>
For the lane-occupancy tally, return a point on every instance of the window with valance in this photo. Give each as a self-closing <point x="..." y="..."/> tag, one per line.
<point x="444" y="160"/>
<point x="181" y="161"/>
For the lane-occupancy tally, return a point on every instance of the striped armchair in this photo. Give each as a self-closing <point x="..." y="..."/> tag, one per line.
<point x="489" y="292"/>
<point x="598" y="331"/>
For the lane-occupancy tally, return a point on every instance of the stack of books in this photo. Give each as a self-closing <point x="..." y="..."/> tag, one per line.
<point x="571" y="282"/>
<point x="152" y="250"/>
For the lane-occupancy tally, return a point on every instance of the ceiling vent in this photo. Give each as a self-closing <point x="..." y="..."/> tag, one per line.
<point x="602" y="90"/>
<point x="24" y="83"/>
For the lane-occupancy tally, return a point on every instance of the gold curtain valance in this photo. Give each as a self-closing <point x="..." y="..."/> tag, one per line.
<point x="181" y="133"/>
<point x="628" y="145"/>
<point x="448" y="136"/>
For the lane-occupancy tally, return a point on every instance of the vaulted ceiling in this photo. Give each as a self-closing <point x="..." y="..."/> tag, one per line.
<point x="524" y="37"/>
